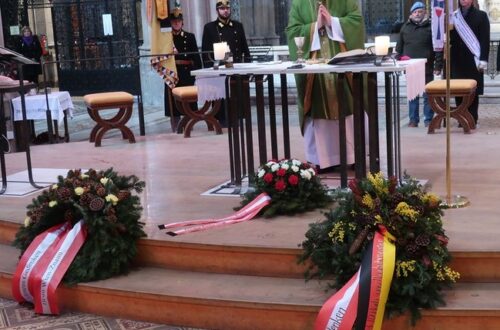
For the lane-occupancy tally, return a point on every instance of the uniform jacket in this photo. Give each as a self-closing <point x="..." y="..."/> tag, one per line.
<point x="462" y="62"/>
<point x="415" y="41"/>
<point x="185" y="42"/>
<point x="232" y="33"/>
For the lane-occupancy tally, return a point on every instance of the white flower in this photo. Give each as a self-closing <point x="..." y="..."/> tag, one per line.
<point x="296" y="162"/>
<point x="104" y="180"/>
<point x="305" y="174"/>
<point x="112" y="198"/>
<point x="27" y="221"/>
<point x="55" y="186"/>
<point x="261" y="173"/>
<point x="295" y="168"/>
<point x="79" y="191"/>
<point x="275" y="167"/>
<point x="84" y="176"/>
<point x="285" y="166"/>
<point x="312" y="171"/>
<point x="270" y="163"/>
<point x="52" y="203"/>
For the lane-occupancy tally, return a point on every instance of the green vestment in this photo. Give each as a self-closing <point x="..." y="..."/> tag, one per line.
<point x="302" y="20"/>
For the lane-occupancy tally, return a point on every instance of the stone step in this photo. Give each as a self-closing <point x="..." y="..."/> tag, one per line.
<point x="473" y="266"/>
<point x="225" y="301"/>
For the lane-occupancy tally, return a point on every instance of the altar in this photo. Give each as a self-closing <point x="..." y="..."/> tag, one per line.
<point x="364" y="76"/>
<point x="37" y="108"/>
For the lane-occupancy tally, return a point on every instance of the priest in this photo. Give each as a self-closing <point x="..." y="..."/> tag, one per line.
<point x="328" y="27"/>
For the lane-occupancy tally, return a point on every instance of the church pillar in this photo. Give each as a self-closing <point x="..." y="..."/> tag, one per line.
<point x="259" y="22"/>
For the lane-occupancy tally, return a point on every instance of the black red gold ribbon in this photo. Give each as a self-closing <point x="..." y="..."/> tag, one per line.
<point x="361" y="302"/>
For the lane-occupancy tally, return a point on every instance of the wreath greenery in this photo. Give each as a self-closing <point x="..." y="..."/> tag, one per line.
<point x="292" y="185"/>
<point x="104" y="200"/>
<point x="336" y="245"/>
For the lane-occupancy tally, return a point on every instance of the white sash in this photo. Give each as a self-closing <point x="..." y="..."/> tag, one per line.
<point x="465" y="32"/>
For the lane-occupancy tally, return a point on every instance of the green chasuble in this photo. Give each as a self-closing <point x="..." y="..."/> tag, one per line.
<point x="302" y="20"/>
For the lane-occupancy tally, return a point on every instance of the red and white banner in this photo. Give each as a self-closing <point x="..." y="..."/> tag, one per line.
<point x="246" y="213"/>
<point x="361" y="302"/>
<point x="44" y="264"/>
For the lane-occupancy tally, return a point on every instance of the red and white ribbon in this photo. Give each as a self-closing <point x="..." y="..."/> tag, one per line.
<point x="30" y="260"/>
<point x="44" y="264"/>
<point x="246" y="213"/>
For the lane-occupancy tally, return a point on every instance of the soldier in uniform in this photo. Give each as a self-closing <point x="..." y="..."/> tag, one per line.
<point x="228" y="30"/>
<point x="187" y="59"/>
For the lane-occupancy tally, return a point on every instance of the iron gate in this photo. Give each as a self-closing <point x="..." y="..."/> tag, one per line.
<point x="89" y="60"/>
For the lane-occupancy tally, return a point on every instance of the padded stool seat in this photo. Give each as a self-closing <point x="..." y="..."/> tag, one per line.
<point x="186" y="95"/>
<point x="436" y="91"/>
<point x="111" y="100"/>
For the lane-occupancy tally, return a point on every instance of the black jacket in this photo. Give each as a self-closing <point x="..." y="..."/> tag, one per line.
<point x="185" y="42"/>
<point x="415" y="41"/>
<point x="462" y="62"/>
<point x="232" y="33"/>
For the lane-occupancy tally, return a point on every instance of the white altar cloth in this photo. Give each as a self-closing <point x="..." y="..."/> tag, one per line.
<point x="36" y="106"/>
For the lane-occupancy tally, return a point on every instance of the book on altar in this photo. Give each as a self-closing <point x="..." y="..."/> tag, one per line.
<point x="354" y="56"/>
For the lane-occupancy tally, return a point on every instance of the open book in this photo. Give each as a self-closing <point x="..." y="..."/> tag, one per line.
<point x="354" y="56"/>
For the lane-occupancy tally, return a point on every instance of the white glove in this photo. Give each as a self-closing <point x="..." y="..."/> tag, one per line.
<point x="483" y="65"/>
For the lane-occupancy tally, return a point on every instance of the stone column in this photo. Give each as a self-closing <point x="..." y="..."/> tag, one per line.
<point x="259" y="22"/>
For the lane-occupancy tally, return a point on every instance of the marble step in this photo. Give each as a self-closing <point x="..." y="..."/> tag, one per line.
<point x="225" y="301"/>
<point x="474" y="266"/>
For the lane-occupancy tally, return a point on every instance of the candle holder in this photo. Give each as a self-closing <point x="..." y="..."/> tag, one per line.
<point x="299" y="42"/>
<point x="228" y="60"/>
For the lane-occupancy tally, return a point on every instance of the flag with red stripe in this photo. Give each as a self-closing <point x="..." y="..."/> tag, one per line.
<point x="361" y="302"/>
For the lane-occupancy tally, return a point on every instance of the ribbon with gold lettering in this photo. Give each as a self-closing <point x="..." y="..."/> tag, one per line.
<point x="361" y="302"/>
<point x="246" y="213"/>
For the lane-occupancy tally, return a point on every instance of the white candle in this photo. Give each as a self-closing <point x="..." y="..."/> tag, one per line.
<point x="382" y="45"/>
<point x="219" y="50"/>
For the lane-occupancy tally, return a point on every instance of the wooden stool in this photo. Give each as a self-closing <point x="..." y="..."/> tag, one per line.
<point x="436" y="91"/>
<point x="185" y="95"/>
<point x="112" y="100"/>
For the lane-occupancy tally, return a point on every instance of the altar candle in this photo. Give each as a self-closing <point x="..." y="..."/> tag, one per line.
<point x="219" y="50"/>
<point x="382" y="45"/>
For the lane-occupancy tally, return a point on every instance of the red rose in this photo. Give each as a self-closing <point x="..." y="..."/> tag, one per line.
<point x="293" y="180"/>
<point x="281" y="172"/>
<point x="268" y="178"/>
<point x="280" y="185"/>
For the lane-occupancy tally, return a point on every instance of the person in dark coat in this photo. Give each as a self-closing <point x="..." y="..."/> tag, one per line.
<point x="415" y="41"/>
<point x="228" y="30"/>
<point x="463" y="63"/>
<point x="29" y="46"/>
<point x="186" y="60"/>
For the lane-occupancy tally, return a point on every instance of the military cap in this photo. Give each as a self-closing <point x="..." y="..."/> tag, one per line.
<point x="222" y="3"/>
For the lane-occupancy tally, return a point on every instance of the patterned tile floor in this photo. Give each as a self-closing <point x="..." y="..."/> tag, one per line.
<point x="17" y="317"/>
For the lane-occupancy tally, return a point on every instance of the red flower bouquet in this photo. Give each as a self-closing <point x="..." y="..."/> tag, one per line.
<point x="292" y="185"/>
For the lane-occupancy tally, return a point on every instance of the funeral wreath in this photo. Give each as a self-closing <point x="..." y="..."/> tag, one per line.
<point x="412" y="215"/>
<point x="292" y="185"/>
<point x="111" y="213"/>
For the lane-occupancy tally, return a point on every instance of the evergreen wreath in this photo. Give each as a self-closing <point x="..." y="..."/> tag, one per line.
<point x="104" y="200"/>
<point x="413" y="216"/>
<point x="292" y="185"/>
